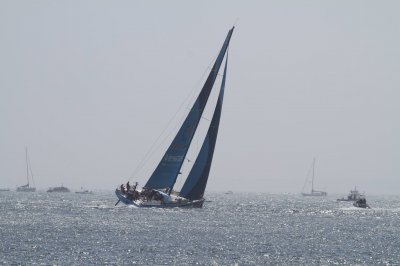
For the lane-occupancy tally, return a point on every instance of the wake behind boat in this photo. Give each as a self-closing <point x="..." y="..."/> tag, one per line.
<point x="158" y="191"/>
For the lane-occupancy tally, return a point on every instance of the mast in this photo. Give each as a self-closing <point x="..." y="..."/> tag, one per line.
<point x="312" y="182"/>
<point x="27" y="166"/>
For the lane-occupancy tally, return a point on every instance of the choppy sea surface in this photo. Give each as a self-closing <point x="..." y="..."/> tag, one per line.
<point x="243" y="229"/>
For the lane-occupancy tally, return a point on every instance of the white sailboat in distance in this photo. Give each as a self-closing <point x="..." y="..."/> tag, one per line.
<point x="29" y="173"/>
<point x="313" y="193"/>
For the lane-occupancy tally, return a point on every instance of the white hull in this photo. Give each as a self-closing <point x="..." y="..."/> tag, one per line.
<point x="26" y="189"/>
<point x="315" y="194"/>
<point x="169" y="201"/>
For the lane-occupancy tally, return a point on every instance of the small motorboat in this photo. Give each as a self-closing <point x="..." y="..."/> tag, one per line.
<point x="354" y="195"/>
<point x="361" y="203"/>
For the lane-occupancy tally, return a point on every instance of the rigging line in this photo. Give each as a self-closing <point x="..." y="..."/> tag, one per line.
<point x="152" y="148"/>
<point x="192" y="94"/>
<point x="150" y="153"/>
<point x="234" y="24"/>
<point x="27" y="167"/>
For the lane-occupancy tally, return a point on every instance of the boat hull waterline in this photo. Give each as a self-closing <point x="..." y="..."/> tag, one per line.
<point x="26" y="189"/>
<point x="140" y="203"/>
<point x="315" y="194"/>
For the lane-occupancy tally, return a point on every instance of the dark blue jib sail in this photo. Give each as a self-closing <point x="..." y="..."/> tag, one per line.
<point x="196" y="182"/>
<point x="164" y="176"/>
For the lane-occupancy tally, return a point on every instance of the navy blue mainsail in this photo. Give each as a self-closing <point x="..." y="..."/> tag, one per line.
<point x="196" y="182"/>
<point x="164" y="176"/>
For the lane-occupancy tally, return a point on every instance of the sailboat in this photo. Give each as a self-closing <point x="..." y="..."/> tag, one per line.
<point x="84" y="191"/>
<point x="27" y="187"/>
<point x="158" y="191"/>
<point x="315" y="193"/>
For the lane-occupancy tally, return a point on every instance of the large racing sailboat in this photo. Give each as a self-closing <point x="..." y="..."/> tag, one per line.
<point x="27" y="187"/>
<point x="158" y="191"/>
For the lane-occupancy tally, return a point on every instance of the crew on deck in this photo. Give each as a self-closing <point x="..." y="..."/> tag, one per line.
<point x="146" y="194"/>
<point x="122" y="189"/>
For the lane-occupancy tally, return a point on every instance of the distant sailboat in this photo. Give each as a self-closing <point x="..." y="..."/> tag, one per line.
<point x="314" y="193"/>
<point x="27" y="187"/>
<point x="84" y="191"/>
<point x="158" y="191"/>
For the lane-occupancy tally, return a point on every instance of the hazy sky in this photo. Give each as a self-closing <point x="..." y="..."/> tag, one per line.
<point x="89" y="86"/>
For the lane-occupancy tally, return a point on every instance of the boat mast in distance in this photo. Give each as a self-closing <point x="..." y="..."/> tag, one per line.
<point x="315" y="193"/>
<point x="29" y="173"/>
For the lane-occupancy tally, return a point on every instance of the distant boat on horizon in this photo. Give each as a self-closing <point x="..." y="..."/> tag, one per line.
<point x="84" y="191"/>
<point x="4" y="189"/>
<point x="58" y="189"/>
<point x="313" y="193"/>
<point x="27" y="187"/>
<point x="354" y="195"/>
<point x="361" y="203"/>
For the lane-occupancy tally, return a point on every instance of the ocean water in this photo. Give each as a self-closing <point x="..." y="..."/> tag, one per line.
<point x="243" y="229"/>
